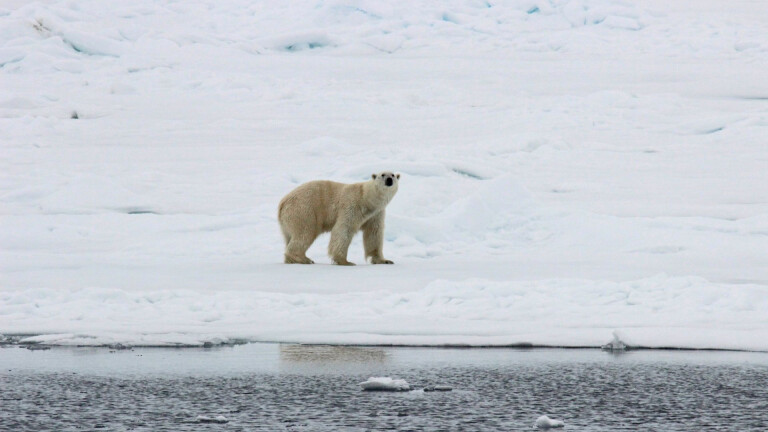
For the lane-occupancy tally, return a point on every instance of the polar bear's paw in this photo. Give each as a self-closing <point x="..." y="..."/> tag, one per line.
<point x="343" y="261"/>
<point x="292" y="259"/>
<point x="375" y="260"/>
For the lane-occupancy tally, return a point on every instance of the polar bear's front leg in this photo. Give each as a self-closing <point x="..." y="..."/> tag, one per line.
<point x="373" y="239"/>
<point x="341" y="237"/>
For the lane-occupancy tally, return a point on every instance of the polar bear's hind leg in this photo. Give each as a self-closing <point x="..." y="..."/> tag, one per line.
<point x="296" y="249"/>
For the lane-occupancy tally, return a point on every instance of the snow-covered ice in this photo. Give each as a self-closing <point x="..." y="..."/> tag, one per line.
<point x="385" y="384"/>
<point x="570" y="170"/>
<point x="545" y="422"/>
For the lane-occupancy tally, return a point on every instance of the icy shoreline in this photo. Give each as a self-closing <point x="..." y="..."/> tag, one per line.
<point x="210" y="345"/>
<point x="660" y="312"/>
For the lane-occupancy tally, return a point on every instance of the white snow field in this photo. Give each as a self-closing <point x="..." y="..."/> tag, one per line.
<point x="571" y="170"/>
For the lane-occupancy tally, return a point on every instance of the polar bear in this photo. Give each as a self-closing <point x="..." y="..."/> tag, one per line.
<point x="343" y="209"/>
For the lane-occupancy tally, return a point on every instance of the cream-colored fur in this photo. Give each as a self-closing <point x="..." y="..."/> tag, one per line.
<point x="343" y="209"/>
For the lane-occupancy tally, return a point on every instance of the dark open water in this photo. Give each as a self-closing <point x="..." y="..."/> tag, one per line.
<point x="272" y="387"/>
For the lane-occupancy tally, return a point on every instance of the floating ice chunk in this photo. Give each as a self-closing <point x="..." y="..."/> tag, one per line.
<point x="217" y="419"/>
<point x="385" y="384"/>
<point x="38" y="347"/>
<point x="438" y="388"/>
<point x="615" y="345"/>
<point x="545" y="422"/>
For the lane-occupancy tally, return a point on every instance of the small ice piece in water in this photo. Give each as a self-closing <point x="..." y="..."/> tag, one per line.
<point x="118" y="346"/>
<point x="616" y="344"/>
<point x="217" y="419"/>
<point x="34" y="347"/>
<point x="385" y="384"/>
<point x="545" y="422"/>
<point x="438" y="388"/>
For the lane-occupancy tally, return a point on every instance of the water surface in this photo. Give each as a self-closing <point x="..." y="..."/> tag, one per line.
<point x="274" y="387"/>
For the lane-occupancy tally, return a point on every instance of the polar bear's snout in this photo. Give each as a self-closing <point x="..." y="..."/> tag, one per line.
<point x="387" y="178"/>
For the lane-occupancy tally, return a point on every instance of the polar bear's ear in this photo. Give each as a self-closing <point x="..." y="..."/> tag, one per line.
<point x="398" y="176"/>
<point x="373" y="176"/>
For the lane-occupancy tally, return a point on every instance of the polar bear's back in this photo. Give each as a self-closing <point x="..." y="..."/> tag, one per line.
<point x="313" y="203"/>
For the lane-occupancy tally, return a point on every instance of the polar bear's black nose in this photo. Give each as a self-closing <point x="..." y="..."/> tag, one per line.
<point x="389" y="181"/>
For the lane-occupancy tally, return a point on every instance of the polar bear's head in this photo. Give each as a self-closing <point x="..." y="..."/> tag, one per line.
<point x="387" y="178"/>
<point x="386" y="181"/>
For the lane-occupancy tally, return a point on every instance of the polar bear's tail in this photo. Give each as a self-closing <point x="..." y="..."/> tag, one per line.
<point x="286" y="235"/>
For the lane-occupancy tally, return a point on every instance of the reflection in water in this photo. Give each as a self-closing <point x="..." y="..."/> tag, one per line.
<point x="330" y="354"/>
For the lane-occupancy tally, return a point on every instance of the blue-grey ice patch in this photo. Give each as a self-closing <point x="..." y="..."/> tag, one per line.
<point x="50" y="25"/>
<point x="707" y="125"/>
<point x="545" y="422"/>
<point x="11" y="55"/>
<point x="299" y="41"/>
<point x="384" y="384"/>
